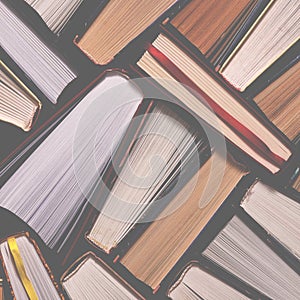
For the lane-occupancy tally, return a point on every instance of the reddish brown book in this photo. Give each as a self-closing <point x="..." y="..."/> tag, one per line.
<point x="280" y="101"/>
<point x="203" y="22"/>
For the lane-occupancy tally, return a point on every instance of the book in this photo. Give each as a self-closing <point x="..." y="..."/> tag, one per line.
<point x="210" y="100"/>
<point x="280" y="100"/>
<point x="230" y="39"/>
<point x="196" y="283"/>
<point x="163" y="243"/>
<point x="276" y="213"/>
<point x="165" y="144"/>
<point x="204" y="22"/>
<point x="274" y="32"/>
<point x="117" y="25"/>
<point x="238" y="250"/>
<point x="55" y="13"/>
<point x="18" y="105"/>
<point x="27" y="272"/>
<point x="37" y="60"/>
<point x="54" y="182"/>
<point x="91" y="277"/>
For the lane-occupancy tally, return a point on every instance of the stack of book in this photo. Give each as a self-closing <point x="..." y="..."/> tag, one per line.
<point x="150" y="149"/>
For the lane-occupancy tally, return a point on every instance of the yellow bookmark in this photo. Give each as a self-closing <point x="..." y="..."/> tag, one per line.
<point x="14" y="250"/>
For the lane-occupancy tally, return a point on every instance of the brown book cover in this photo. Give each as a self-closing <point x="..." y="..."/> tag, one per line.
<point x="203" y="22"/>
<point x="280" y="102"/>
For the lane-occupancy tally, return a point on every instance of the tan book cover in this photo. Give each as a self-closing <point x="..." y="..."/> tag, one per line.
<point x="165" y="241"/>
<point x="117" y="25"/>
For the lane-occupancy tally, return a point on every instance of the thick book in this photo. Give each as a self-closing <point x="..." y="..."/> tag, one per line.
<point x="117" y="25"/>
<point x="161" y="246"/>
<point x="90" y="278"/>
<point x="204" y="22"/>
<point x="280" y="102"/>
<point x="238" y="250"/>
<point x="165" y="144"/>
<point x="196" y="283"/>
<point x="273" y="33"/>
<point x="210" y="99"/>
<point x="56" y="180"/>
<point x="277" y="213"/>
<point x="33" y="56"/>
<point x="26" y="270"/>
<point x="18" y="105"/>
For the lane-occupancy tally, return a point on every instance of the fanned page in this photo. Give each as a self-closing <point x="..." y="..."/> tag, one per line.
<point x="158" y="249"/>
<point x="280" y="101"/>
<point x="241" y="252"/>
<point x="47" y="71"/>
<point x="90" y="279"/>
<point x="18" y="105"/>
<point x="203" y="22"/>
<point x="166" y="63"/>
<point x="117" y="25"/>
<point x="161" y="149"/>
<point x="21" y="260"/>
<point x="55" y="180"/>
<point x="277" y="29"/>
<point x="276" y="213"/>
<point x="55" y="13"/>
<point x="198" y="284"/>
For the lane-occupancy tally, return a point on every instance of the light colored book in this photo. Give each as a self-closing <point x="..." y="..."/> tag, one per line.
<point x="197" y="284"/>
<point x="55" y="181"/>
<point x="44" y="67"/>
<point x="163" y="146"/>
<point x="238" y="250"/>
<point x="18" y="105"/>
<point x="274" y="32"/>
<point x="278" y="214"/>
<point x="27" y="272"/>
<point x="55" y="13"/>
<point x="92" y="279"/>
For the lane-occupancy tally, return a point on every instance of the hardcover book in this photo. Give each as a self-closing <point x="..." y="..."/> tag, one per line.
<point x="18" y="105"/>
